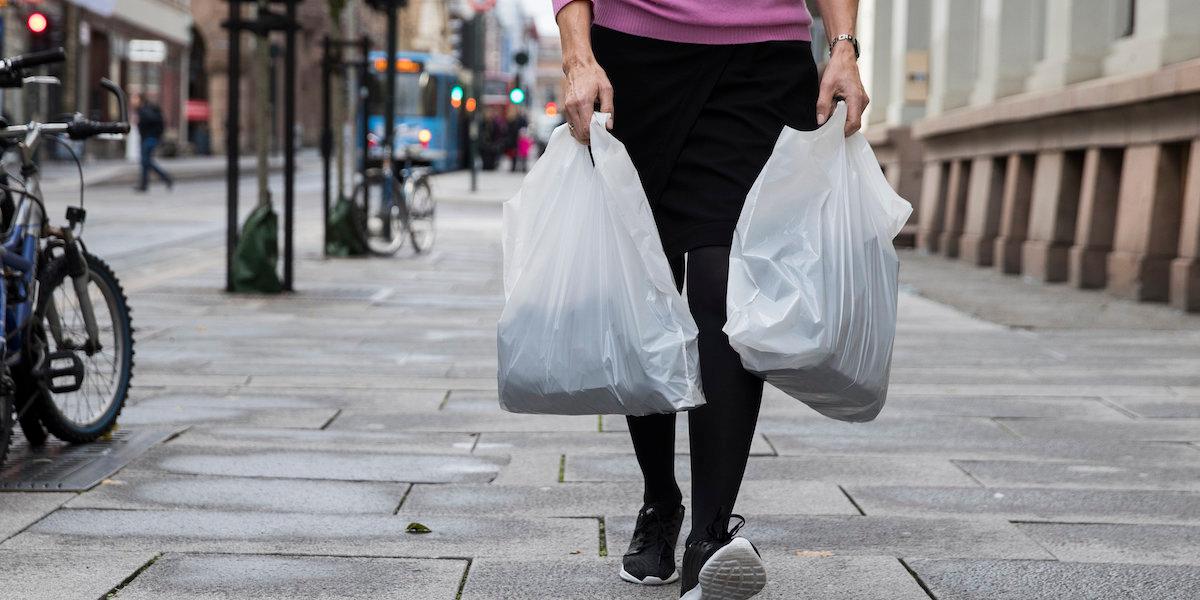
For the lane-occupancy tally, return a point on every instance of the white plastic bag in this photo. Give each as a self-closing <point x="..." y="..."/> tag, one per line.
<point x="592" y="322"/>
<point x="812" y="272"/>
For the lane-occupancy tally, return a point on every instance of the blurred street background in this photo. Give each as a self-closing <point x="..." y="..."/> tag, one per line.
<point x="344" y="440"/>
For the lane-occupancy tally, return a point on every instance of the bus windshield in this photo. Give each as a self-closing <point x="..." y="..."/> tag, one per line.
<point x="416" y="94"/>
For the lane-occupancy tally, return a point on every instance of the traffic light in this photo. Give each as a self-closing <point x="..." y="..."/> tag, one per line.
<point x="37" y="23"/>
<point x="456" y="96"/>
<point x="516" y="95"/>
<point x="551" y="109"/>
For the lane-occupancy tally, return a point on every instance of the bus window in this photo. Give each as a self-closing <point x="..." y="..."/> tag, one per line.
<point x="416" y="94"/>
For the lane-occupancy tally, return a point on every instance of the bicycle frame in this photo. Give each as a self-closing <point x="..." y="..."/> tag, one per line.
<point x="20" y="252"/>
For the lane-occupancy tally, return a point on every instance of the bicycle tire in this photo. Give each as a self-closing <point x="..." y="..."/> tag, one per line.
<point x="51" y="414"/>
<point x="6" y="425"/>
<point x="376" y="242"/>
<point x="422" y="209"/>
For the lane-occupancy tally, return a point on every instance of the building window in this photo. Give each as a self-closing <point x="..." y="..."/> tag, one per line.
<point x="1126" y="18"/>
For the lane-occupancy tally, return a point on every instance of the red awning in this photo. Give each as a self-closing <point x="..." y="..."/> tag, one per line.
<point x="197" y="110"/>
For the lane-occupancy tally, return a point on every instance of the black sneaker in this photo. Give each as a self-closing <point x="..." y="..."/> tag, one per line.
<point x="722" y="567"/>
<point x="651" y="556"/>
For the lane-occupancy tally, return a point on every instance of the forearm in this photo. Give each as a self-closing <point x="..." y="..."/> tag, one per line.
<point x="574" y="27"/>
<point x="839" y="16"/>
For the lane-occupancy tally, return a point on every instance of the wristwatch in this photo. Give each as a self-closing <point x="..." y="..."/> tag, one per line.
<point x="844" y="37"/>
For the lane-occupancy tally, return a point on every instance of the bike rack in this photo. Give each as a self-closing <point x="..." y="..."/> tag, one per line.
<point x="262" y="27"/>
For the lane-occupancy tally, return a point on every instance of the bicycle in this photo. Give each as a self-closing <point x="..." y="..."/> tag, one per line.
<point x="383" y="223"/>
<point x="67" y="336"/>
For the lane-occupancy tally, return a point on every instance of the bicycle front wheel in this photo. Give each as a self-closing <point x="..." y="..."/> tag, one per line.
<point x="421" y="211"/>
<point x="381" y="219"/>
<point x="84" y="414"/>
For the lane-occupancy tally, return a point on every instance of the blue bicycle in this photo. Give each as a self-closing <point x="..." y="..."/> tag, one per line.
<point x="67" y="336"/>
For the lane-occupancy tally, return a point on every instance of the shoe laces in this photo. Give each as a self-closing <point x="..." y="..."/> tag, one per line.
<point x="654" y="526"/>
<point x="719" y="529"/>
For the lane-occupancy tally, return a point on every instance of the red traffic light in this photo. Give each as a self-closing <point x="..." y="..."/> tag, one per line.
<point x="37" y="22"/>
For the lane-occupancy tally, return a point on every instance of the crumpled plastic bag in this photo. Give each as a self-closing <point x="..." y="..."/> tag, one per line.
<point x="813" y="274"/>
<point x="592" y="322"/>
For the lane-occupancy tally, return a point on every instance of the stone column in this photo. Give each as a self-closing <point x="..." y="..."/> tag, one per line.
<point x="1014" y="212"/>
<point x="910" y="42"/>
<point x="1052" y="215"/>
<point x="956" y="206"/>
<point x="875" y="24"/>
<point x="1077" y="37"/>
<point x="1165" y="32"/>
<point x="1185" y="270"/>
<point x="1097" y="218"/>
<point x="984" y="204"/>
<point x="953" y="53"/>
<point x="1010" y="43"/>
<point x="933" y="207"/>
<point x="1147" y="233"/>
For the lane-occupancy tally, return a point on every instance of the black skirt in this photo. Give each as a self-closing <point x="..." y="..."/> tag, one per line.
<point x="700" y="121"/>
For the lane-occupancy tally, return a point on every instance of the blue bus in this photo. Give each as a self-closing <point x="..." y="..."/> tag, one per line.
<point x="425" y="117"/>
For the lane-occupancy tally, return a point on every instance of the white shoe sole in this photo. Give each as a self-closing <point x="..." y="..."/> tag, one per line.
<point x="650" y="580"/>
<point x="735" y="572"/>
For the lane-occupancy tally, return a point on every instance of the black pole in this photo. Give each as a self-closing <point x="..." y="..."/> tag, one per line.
<point x="289" y="142"/>
<point x="363" y="103"/>
<point x="389" y="97"/>
<point x="326" y="138"/>
<point x="232" y="127"/>
<point x="474" y="129"/>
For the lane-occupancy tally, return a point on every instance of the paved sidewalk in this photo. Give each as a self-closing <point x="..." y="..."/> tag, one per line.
<point x="1039" y="462"/>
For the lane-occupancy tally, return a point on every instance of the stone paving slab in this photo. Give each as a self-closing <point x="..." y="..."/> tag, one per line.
<point x="593" y="499"/>
<point x="1087" y="408"/>
<point x="160" y="414"/>
<point x="1120" y="506"/>
<point x="1118" y="453"/>
<point x="902" y="537"/>
<point x="1160" y="408"/>
<point x="340" y="441"/>
<point x="223" y="576"/>
<point x="1160" y="430"/>
<point x="888" y="426"/>
<point x="592" y="442"/>
<point x="1053" y="580"/>
<point x="790" y="578"/>
<point x="531" y="469"/>
<point x="1082" y="474"/>
<point x="356" y="420"/>
<point x="66" y="574"/>
<point x="1118" y="543"/>
<point x="18" y="510"/>
<point x="303" y="464"/>
<point x="829" y="468"/>
<point x="309" y="534"/>
<point x="154" y="490"/>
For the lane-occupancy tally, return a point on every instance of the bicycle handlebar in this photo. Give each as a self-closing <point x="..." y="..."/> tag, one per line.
<point x="33" y="59"/>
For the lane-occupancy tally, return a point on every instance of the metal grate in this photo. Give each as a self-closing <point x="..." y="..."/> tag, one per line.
<point x="61" y="467"/>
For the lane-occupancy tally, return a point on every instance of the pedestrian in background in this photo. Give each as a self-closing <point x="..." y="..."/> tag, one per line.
<point x="150" y="125"/>
<point x="524" y="147"/>
<point x="699" y="91"/>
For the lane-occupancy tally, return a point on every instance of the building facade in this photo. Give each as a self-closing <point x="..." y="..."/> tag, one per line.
<point x="1055" y="139"/>
<point x="140" y="44"/>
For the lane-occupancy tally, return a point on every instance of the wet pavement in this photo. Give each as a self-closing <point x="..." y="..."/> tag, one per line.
<point x="1026" y="452"/>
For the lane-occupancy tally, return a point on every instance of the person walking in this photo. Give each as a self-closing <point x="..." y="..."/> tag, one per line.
<point x="699" y="92"/>
<point x="150" y="128"/>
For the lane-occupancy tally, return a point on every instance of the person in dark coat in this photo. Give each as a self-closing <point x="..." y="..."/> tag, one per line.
<point x="150" y="124"/>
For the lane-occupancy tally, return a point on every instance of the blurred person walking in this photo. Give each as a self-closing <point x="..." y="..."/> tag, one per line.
<point x="699" y="92"/>
<point x="151" y="124"/>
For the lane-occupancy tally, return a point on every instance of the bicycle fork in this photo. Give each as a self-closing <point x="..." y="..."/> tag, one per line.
<point x="77" y="269"/>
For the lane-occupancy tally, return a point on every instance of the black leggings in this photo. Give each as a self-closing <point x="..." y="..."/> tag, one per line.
<point x="722" y="429"/>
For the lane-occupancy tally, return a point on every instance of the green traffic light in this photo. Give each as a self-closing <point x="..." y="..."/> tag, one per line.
<point x="517" y="95"/>
<point x="456" y="93"/>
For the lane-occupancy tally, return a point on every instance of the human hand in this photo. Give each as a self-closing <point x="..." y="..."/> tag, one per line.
<point x="842" y="81"/>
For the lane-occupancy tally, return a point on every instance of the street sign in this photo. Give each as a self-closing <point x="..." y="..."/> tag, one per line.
<point x="147" y="51"/>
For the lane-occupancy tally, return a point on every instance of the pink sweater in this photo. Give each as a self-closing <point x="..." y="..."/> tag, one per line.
<point x="704" y="21"/>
